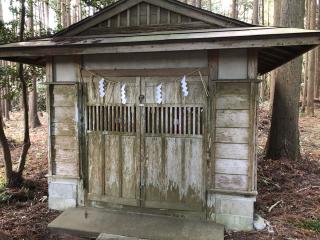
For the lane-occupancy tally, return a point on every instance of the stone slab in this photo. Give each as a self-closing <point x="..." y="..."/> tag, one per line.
<point x="105" y="236"/>
<point x="92" y="221"/>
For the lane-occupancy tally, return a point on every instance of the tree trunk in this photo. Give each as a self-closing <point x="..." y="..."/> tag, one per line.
<point x="33" y="98"/>
<point x="6" y="103"/>
<point x="283" y="139"/>
<point x="33" y="106"/>
<point x="276" y="22"/>
<point x="255" y="15"/>
<point x="6" y="153"/>
<point x="234" y="9"/>
<point x="306" y="65"/>
<point x="26" y="138"/>
<point x="311" y="63"/>
<point x="317" y="84"/>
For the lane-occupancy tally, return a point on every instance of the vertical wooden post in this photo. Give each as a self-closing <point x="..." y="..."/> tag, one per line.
<point x="252" y="75"/>
<point x="50" y="78"/>
<point x="213" y="57"/>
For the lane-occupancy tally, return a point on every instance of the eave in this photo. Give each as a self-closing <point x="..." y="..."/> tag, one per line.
<point x="276" y="45"/>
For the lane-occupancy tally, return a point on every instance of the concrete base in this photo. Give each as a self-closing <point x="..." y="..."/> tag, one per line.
<point x="63" y="193"/>
<point x="236" y="213"/>
<point x="90" y="222"/>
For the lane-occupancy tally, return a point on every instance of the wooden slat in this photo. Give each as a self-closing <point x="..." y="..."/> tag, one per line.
<point x="231" y="166"/>
<point x="232" y="182"/>
<point x="128" y="17"/>
<point x="232" y="118"/>
<point x="232" y="151"/>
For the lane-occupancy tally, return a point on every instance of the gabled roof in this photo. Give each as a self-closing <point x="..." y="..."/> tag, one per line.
<point x="176" y="8"/>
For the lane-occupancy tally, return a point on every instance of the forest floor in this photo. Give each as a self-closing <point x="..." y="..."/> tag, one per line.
<point x="294" y="186"/>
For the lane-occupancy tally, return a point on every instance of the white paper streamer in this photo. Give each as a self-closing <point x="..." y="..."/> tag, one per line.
<point x="123" y="94"/>
<point x="102" y="88"/>
<point x="159" y="94"/>
<point x="184" y="86"/>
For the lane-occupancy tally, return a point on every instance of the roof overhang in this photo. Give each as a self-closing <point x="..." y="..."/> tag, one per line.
<point x="276" y="45"/>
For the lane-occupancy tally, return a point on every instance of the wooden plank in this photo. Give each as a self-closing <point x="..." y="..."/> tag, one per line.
<point x="153" y="163"/>
<point x="112" y="165"/>
<point x="193" y="176"/>
<point x="65" y="142"/>
<point x="65" y="69"/>
<point x="231" y="182"/>
<point x="234" y="88"/>
<point x="102" y="17"/>
<point x="235" y="59"/>
<point x="231" y="166"/>
<point x="50" y="78"/>
<point x="253" y="73"/>
<point x="213" y="66"/>
<point x="239" y="102"/>
<point x="232" y="118"/>
<point x="129" y="174"/>
<point x="95" y="142"/>
<point x="63" y="115"/>
<point x="173" y="176"/>
<point x="232" y="151"/>
<point x="232" y="135"/>
<point x="193" y="14"/>
<point x="64" y="155"/>
<point x="187" y="60"/>
<point x="63" y="129"/>
<point x="66" y="169"/>
<point x="64" y="96"/>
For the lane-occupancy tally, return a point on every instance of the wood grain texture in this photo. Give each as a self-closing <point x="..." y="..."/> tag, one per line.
<point x="63" y="115"/>
<point x="231" y="182"/>
<point x="232" y="135"/>
<point x="232" y="151"/>
<point x="231" y="166"/>
<point x="64" y="96"/>
<point x="232" y="118"/>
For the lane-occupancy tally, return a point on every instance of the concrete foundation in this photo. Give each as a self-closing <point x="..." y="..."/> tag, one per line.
<point x="90" y="222"/>
<point x="234" y="212"/>
<point x="63" y="193"/>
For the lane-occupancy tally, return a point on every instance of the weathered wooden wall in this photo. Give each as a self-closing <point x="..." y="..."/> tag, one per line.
<point x="230" y="176"/>
<point x="63" y="109"/>
<point x="233" y="117"/>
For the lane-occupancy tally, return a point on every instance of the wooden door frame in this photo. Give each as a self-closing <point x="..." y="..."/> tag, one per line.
<point x="141" y="190"/>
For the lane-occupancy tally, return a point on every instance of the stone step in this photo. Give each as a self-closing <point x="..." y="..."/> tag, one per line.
<point x="91" y="222"/>
<point x="105" y="236"/>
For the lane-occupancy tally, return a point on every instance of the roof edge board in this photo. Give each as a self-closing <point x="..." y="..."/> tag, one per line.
<point x="171" y="5"/>
<point x="97" y="18"/>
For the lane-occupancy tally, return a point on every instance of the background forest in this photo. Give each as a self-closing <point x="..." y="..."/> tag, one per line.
<point x="289" y="96"/>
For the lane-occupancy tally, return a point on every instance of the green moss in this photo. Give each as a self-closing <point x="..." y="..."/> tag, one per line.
<point x="311" y="224"/>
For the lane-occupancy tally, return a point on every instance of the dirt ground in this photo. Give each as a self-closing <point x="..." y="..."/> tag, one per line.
<point x="295" y="186"/>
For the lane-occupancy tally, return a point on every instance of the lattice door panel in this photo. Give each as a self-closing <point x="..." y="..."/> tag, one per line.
<point x="175" y="120"/>
<point x="116" y="118"/>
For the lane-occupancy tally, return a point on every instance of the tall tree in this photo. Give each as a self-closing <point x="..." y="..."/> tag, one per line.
<point x="311" y="62"/>
<point x="26" y="137"/>
<point x="306" y="65"/>
<point x="276" y="22"/>
<point x="14" y="178"/>
<point x="283" y="139"/>
<point x="33" y="98"/>
<point x="234" y="9"/>
<point x="255" y="15"/>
